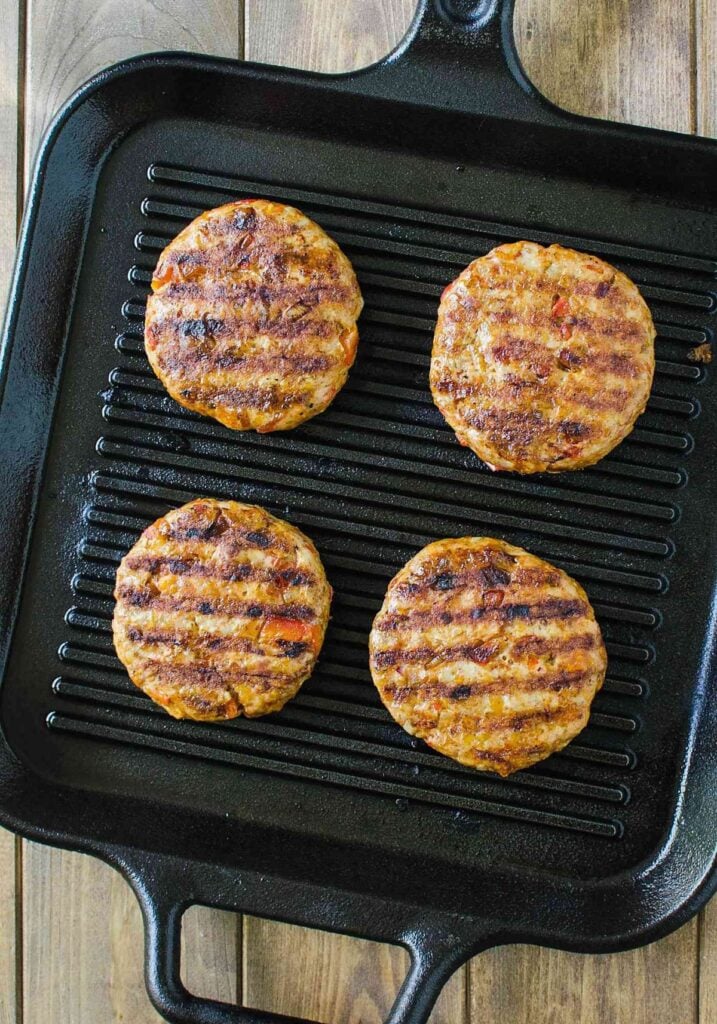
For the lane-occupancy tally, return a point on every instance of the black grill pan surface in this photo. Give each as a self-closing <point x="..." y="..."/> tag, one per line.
<point x="327" y="814"/>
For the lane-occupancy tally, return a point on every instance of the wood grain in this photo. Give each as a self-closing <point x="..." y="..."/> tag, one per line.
<point x="707" y="965"/>
<point x="211" y="953"/>
<point x="82" y="936"/>
<point x="321" y="36"/>
<point x="69" y="42"/>
<point x="529" y="985"/>
<point x="84" y="939"/>
<point x="66" y="43"/>
<point x="331" y="978"/>
<point x="8" y="961"/>
<point x="629" y="60"/>
<point x="9" y="101"/>
<point x="9" y="83"/>
<point x="706" y="68"/>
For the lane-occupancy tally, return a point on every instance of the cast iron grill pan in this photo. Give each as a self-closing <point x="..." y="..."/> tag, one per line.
<point x="373" y="479"/>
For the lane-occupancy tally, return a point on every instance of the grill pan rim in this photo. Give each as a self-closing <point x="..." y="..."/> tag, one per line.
<point x="20" y="788"/>
<point x="217" y="884"/>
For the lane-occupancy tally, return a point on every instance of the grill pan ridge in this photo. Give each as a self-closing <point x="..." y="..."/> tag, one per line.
<point x="327" y="814"/>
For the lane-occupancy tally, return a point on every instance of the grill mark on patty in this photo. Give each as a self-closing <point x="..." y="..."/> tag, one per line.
<point x="266" y="237"/>
<point x="614" y="400"/>
<point x="610" y="401"/>
<point x="550" y="609"/>
<point x="522" y="719"/>
<point x="268" y="398"/>
<point x="278" y="296"/>
<point x="513" y="427"/>
<point x="160" y="565"/>
<point x="209" y="675"/>
<point x="568" y="284"/>
<point x="478" y="652"/>
<point x="516" y="349"/>
<point x="519" y="430"/>
<point x="192" y="641"/>
<point x="456" y="693"/>
<point x="213" y="643"/>
<point x="596" y="326"/>
<point x="547" y="645"/>
<point x="227" y="536"/>
<point x="271" y="248"/>
<point x="482" y="652"/>
<point x="135" y="598"/>
<point x="234" y="329"/>
<point x="460" y="578"/>
<point x="512" y="348"/>
<point x="508" y="758"/>
<point x="176" y="360"/>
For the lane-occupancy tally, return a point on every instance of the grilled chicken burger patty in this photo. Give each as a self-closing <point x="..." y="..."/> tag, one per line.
<point x="221" y="611"/>
<point x="489" y="654"/>
<point x="542" y="358"/>
<point x="252" y="316"/>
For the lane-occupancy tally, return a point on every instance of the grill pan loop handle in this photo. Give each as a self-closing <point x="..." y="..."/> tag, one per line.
<point x="163" y="924"/>
<point x="433" y="959"/>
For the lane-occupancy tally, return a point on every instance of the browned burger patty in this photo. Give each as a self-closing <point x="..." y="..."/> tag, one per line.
<point x="542" y="358"/>
<point x="221" y="610"/>
<point x="489" y="654"/>
<point x="253" y="315"/>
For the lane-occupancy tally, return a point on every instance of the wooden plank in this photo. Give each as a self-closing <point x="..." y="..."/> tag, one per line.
<point x="82" y="936"/>
<point x="84" y="939"/>
<point x="321" y="36"/>
<point x="10" y="48"/>
<point x="706" y="102"/>
<point x="529" y="985"/>
<point x="706" y="66"/>
<point x="211" y="953"/>
<point x="341" y="979"/>
<point x="8" y="897"/>
<point x="69" y="42"/>
<point x="331" y="978"/>
<point x="91" y="971"/>
<point x="10" y="75"/>
<point x="627" y="62"/>
<point x="708" y="963"/>
<point x="622" y="60"/>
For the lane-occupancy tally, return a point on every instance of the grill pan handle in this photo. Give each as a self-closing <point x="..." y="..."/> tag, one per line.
<point x="458" y="55"/>
<point x="435" y="953"/>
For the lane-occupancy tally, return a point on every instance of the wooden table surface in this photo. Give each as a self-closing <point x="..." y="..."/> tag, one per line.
<point x="70" y="931"/>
